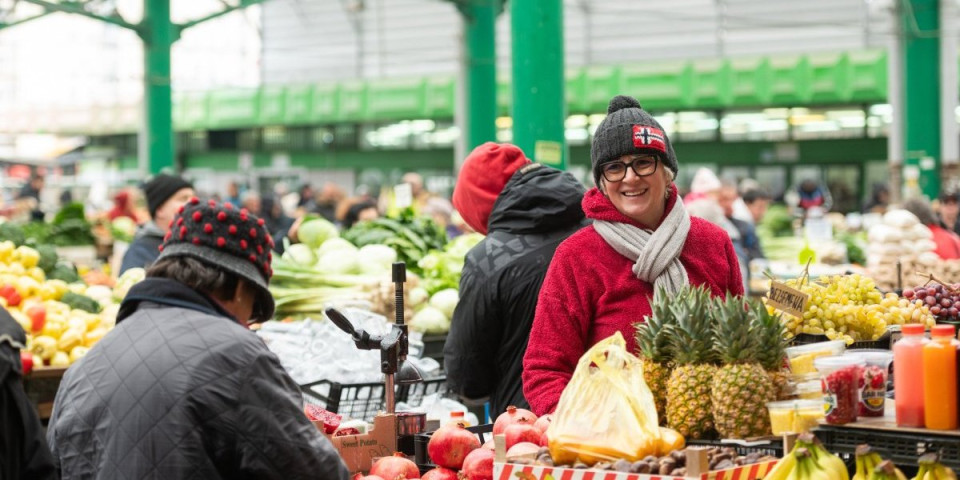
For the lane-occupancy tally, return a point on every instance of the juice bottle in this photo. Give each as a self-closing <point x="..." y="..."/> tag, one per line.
<point x="940" y="380"/>
<point x="908" y="376"/>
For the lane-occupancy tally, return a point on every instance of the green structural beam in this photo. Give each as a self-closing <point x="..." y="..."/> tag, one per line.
<point x="479" y="18"/>
<point x="23" y="20"/>
<point x="921" y="61"/>
<point x="77" y="8"/>
<point x="158" y="36"/>
<point x="539" y="106"/>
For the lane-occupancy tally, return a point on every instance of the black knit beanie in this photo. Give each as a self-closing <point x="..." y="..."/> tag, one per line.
<point x="629" y="129"/>
<point x="227" y="238"/>
<point x="160" y="188"/>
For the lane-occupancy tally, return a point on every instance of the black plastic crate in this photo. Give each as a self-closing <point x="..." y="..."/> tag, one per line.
<point x="903" y="447"/>
<point x="765" y="447"/>
<point x="364" y="400"/>
<point x="433" y="347"/>
<point x="354" y="400"/>
<point x="422" y="458"/>
<point x="882" y="343"/>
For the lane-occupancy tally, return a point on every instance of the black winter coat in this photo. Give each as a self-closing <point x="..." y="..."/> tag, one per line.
<point x="23" y="451"/>
<point x="144" y="249"/>
<point x="483" y="356"/>
<point x="180" y="390"/>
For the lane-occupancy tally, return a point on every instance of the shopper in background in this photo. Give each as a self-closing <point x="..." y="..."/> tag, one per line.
<point x="811" y="195"/>
<point x="358" y="211"/>
<point x="122" y="207"/>
<point x="747" y="233"/>
<point x="23" y="450"/>
<point x="233" y="193"/>
<point x="327" y="200"/>
<point x="165" y="195"/>
<point x="705" y="184"/>
<point x="950" y="210"/>
<point x="603" y="278"/>
<point x="252" y="201"/>
<point x="420" y="194"/>
<point x="879" y="199"/>
<point x="180" y="388"/>
<point x="525" y="210"/>
<point x="30" y="197"/>
<point x="757" y="201"/>
<point x="948" y="243"/>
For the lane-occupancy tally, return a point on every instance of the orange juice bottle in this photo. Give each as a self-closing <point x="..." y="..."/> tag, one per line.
<point x="908" y="376"/>
<point x="940" y="380"/>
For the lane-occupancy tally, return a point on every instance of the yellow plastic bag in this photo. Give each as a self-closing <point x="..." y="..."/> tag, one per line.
<point x="606" y="412"/>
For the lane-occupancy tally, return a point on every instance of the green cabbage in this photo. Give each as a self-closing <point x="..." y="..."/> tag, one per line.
<point x="430" y="320"/>
<point x="316" y="231"/>
<point x="339" y="261"/>
<point x="445" y="301"/>
<point x="300" y="254"/>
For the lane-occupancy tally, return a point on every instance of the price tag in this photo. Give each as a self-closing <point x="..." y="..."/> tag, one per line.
<point x="787" y="299"/>
<point x="403" y="195"/>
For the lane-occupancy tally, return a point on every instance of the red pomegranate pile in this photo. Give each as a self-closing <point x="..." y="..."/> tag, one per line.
<point x="397" y="467"/>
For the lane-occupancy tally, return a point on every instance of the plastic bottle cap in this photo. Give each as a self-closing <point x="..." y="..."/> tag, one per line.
<point x="942" y="331"/>
<point x="912" y="329"/>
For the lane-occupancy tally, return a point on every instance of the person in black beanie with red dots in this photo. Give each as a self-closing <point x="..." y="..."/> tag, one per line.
<point x="180" y="388"/>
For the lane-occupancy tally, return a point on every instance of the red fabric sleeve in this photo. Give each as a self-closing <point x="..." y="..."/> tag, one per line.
<point x="735" y="286"/>
<point x="559" y="335"/>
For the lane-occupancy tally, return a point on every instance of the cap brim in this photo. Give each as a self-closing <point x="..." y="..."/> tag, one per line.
<point x="263" y="307"/>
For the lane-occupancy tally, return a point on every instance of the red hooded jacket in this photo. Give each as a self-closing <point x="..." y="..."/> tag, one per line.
<point x="590" y="292"/>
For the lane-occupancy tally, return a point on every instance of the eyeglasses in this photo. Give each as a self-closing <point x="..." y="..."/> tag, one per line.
<point x="616" y="170"/>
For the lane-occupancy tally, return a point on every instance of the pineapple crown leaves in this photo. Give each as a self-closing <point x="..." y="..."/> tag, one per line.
<point x="653" y="334"/>
<point x="772" y="335"/>
<point x="691" y="341"/>
<point x="735" y="334"/>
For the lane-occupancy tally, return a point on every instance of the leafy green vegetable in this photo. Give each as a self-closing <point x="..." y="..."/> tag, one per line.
<point x="82" y="302"/>
<point x="64" y="271"/>
<point x="71" y="211"/>
<point x="12" y="232"/>
<point x="123" y="229"/>
<point x="777" y="221"/>
<point x="410" y="236"/>
<point x="48" y="258"/>
<point x="856" y="244"/>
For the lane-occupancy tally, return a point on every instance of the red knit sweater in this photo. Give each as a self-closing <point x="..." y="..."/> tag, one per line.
<point x="590" y="292"/>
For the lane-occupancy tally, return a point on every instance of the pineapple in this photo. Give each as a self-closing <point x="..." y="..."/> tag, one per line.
<point x="652" y="341"/>
<point x="741" y="387"/>
<point x="773" y="346"/>
<point x="691" y="346"/>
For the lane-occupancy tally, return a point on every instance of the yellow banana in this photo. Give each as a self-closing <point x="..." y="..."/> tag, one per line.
<point x="859" y="475"/>
<point x="900" y="475"/>
<point x="945" y="473"/>
<point x="884" y="471"/>
<point x="922" y="472"/>
<point x="783" y="468"/>
<point x="867" y="460"/>
<point x="831" y="463"/>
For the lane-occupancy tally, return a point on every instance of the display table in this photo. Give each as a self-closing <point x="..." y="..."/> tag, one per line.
<point x="41" y="387"/>
<point x="902" y="445"/>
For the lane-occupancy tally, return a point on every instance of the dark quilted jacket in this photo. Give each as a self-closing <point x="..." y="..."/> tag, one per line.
<point x="177" y="393"/>
<point x="483" y="356"/>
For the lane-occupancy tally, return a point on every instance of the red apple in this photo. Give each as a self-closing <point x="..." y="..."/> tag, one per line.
<point x="26" y="359"/>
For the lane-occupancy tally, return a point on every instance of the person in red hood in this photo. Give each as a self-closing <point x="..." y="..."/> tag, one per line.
<point x="122" y="207"/>
<point x="602" y="279"/>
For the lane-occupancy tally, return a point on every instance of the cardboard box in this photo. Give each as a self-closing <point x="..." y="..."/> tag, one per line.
<point x="359" y="451"/>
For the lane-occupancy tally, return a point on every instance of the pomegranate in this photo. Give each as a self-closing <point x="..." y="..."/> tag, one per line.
<point x="368" y="477"/>
<point x="521" y="432"/>
<point x="395" y="467"/>
<point x="543" y="422"/>
<point x="489" y="445"/>
<point x="511" y="416"/>
<point x="440" y="473"/>
<point x="478" y="465"/>
<point x="450" y="444"/>
<point x="544" y="441"/>
<point x="523" y="450"/>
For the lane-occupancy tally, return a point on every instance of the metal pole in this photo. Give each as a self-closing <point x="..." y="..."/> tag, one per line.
<point x="539" y="106"/>
<point x="921" y="106"/>
<point x="158" y="34"/>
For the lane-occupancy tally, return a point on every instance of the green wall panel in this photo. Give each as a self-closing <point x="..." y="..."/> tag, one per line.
<point x="439" y="96"/>
<point x="749" y="81"/>
<point x="395" y="100"/>
<point x="403" y="159"/>
<point x="352" y="102"/>
<point x="829" y="78"/>
<point x="601" y="84"/>
<point x="272" y="105"/>
<point x="868" y="76"/>
<point x="576" y="91"/>
<point x="504" y="97"/>
<point x="710" y="83"/>
<point x="299" y="103"/>
<point x="233" y="108"/>
<point x="789" y="80"/>
<point x="657" y="85"/>
<point x="191" y="111"/>
<point x="325" y="103"/>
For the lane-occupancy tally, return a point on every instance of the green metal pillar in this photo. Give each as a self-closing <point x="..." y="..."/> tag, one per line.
<point x="921" y="101"/>
<point x="539" y="106"/>
<point x="479" y="19"/>
<point x="158" y="34"/>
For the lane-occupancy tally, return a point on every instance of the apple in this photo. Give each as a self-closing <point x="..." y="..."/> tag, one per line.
<point x="26" y="359"/>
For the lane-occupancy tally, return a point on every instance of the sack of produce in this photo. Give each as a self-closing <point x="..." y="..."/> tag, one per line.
<point x="607" y="412"/>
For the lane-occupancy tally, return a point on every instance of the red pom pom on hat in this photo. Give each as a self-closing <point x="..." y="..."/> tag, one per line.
<point x="232" y="230"/>
<point x="222" y="216"/>
<point x="482" y="177"/>
<point x="243" y="244"/>
<point x="260" y="222"/>
<point x="196" y="240"/>
<point x="253" y="258"/>
<point x="228" y="205"/>
<point x="259" y="250"/>
<point x="221" y="242"/>
<point x="197" y="216"/>
<point x="208" y="229"/>
<point x="253" y="233"/>
<point x="194" y="200"/>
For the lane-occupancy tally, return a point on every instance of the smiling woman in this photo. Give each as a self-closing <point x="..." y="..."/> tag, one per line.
<point x="602" y="279"/>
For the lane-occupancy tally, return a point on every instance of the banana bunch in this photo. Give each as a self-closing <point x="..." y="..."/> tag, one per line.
<point x="932" y="469"/>
<point x="867" y="462"/>
<point x="809" y="461"/>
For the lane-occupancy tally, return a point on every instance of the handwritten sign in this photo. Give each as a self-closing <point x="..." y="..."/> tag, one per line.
<point x="787" y="299"/>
